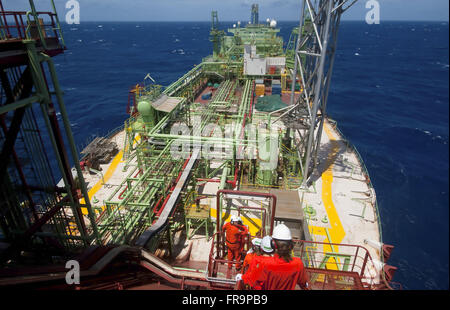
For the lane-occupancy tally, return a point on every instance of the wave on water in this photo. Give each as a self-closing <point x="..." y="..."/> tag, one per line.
<point x="178" y="51"/>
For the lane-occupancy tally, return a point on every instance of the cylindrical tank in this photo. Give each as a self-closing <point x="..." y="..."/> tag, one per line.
<point x="268" y="151"/>
<point x="146" y="111"/>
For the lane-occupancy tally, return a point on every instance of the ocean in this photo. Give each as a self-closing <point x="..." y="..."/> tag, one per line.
<point x="389" y="96"/>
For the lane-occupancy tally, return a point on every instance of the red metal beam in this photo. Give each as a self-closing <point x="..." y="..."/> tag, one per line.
<point x="250" y="194"/>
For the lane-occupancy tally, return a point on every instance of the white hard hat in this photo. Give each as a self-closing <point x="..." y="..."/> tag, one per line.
<point x="266" y="245"/>
<point x="235" y="218"/>
<point x="282" y="232"/>
<point x="256" y="241"/>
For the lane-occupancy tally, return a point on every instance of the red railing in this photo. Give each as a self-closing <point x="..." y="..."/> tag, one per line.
<point x="218" y="265"/>
<point x="338" y="266"/>
<point x="224" y="192"/>
<point x="132" y="104"/>
<point x="330" y="266"/>
<point x="23" y="25"/>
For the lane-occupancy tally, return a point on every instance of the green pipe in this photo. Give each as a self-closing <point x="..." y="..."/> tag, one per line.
<point x="217" y="169"/>
<point x="144" y="176"/>
<point x="120" y="186"/>
<point x="149" y="187"/>
<point x="200" y="138"/>
<point x="130" y="222"/>
<point x="152" y="180"/>
<point x="171" y="88"/>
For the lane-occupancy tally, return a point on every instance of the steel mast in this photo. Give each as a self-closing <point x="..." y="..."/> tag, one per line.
<point x="216" y="35"/>
<point x="314" y="59"/>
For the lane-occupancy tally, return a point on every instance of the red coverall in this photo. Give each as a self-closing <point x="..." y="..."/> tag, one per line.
<point x="247" y="261"/>
<point x="234" y="234"/>
<point x="273" y="273"/>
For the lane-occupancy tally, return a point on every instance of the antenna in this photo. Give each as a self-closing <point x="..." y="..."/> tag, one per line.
<point x="254" y="19"/>
<point x="149" y="77"/>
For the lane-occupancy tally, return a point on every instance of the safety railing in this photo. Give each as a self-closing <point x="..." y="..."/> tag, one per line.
<point x="337" y="266"/>
<point x="221" y="270"/>
<point x="43" y="27"/>
<point x="184" y="80"/>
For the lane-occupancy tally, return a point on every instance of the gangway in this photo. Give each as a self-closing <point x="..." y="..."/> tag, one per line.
<point x="163" y="219"/>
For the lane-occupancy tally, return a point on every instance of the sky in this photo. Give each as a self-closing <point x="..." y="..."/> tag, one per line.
<point x="231" y="10"/>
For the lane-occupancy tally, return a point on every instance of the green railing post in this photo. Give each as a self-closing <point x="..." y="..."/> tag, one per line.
<point x="37" y="24"/>
<point x="58" y="25"/>
<point x="72" y="146"/>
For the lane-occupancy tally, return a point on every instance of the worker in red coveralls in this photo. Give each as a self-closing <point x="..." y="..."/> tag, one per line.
<point x="234" y="233"/>
<point x="280" y="272"/>
<point x="253" y="252"/>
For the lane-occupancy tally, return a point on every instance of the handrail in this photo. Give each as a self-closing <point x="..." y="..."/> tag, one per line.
<point x="357" y="259"/>
<point x="217" y="257"/>
<point x="23" y="30"/>
<point x="248" y="194"/>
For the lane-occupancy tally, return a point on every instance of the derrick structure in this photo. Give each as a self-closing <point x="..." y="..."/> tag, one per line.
<point x="313" y="66"/>
<point x="38" y="216"/>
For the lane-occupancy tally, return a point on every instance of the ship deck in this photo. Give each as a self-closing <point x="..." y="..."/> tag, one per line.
<point x="339" y="206"/>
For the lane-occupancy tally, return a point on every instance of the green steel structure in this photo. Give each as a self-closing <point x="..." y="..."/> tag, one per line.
<point x="38" y="215"/>
<point x="266" y="39"/>
<point x="151" y="169"/>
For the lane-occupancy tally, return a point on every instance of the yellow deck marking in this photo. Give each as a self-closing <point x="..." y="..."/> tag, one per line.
<point x="112" y="168"/>
<point x="254" y="224"/>
<point x="336" y="231"/>
<point x="117" y="159"/>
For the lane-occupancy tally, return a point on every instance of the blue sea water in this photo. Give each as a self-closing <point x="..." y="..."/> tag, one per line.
<point x="389" y="95"/>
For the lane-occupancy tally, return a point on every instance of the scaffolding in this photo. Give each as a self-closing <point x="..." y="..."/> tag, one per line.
<point x="38" y="214"/>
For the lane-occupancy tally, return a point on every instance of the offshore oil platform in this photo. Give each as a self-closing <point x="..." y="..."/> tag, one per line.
<point x="243" y="133"/>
